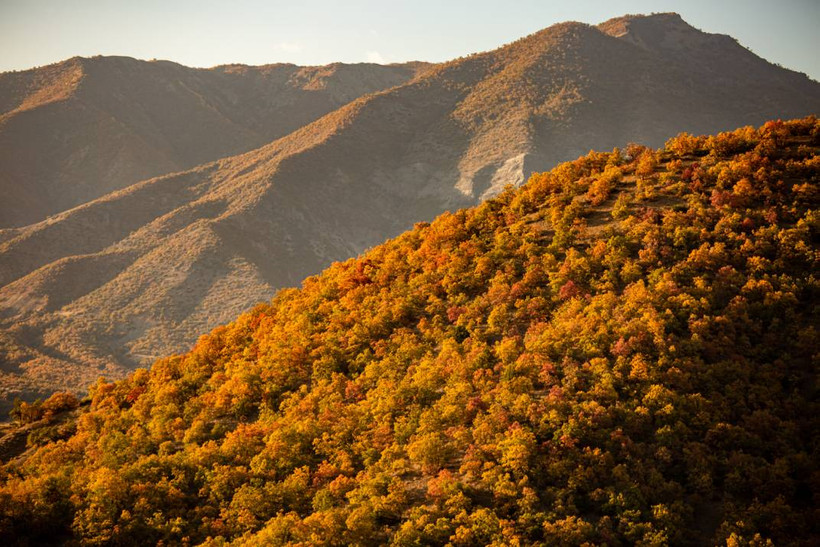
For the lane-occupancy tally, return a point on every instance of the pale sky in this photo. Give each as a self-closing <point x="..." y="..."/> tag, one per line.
<point x="205" y="33"/>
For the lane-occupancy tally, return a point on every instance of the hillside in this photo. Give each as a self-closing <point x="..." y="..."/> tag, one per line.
<point x="622" y="352"/>
<point x="141" y="273"/>
<point x="77" y="130"/>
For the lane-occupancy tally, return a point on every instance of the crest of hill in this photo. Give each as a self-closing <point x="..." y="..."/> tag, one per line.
<point x="77" y="130"/>
<point x="176" y="255"/>
<point x="661" y="31"/>
<point x="620" y="352"/>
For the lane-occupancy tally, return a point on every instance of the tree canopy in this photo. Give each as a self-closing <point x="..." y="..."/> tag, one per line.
<point x="623" y="352"/>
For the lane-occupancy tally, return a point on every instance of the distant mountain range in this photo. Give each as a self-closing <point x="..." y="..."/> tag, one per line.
<point x="141" y="272"/>
<point x="77" y="130"/>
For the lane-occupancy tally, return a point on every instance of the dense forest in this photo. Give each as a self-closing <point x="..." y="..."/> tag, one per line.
<point x="622" y="352"/>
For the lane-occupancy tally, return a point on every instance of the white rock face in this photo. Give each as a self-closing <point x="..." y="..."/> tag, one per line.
<point x="511" y="172"/>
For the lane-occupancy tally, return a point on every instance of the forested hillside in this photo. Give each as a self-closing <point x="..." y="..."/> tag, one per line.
<point x="623" y="351"/>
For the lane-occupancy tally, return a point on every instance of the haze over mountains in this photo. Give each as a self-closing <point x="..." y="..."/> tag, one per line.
<point x="143" y="271"/>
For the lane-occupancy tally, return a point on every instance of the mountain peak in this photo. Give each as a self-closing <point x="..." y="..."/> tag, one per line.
<point x="618" y="26"/>
<point x="567" y="29"/>
<point x="667" y="31"/>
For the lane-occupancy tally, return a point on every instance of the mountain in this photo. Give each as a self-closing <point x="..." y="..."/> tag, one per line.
<point x="77" y="130"/>
<point x="621" y="352"/>
<point x="141" y="272"/>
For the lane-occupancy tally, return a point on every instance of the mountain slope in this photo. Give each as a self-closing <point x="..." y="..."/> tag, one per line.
<point x="77" y="130"/>
<point x="621" y="352"/>
<point x="173" y="257"/>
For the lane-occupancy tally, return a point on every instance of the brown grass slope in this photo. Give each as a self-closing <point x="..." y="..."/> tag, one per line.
<point x="79" y="129"/>
<point x="143" y="271"/>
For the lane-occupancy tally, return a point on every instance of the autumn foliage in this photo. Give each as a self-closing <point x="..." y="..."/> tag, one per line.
<point x="621" y="352"/>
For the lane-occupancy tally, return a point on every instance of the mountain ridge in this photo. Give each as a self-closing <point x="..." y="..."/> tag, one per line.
<point x="81" y="128"/>
<point x="179" y="254"/>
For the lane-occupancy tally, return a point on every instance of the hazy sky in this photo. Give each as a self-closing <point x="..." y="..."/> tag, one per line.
<point x="206" y="32"/>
